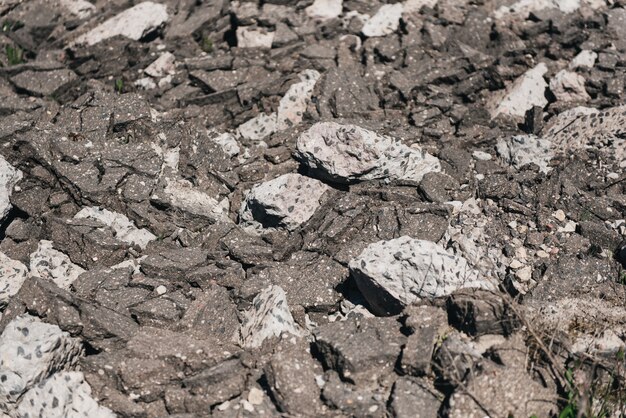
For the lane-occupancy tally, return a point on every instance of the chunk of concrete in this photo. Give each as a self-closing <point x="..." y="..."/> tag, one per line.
<point x="12" y="276"/>
<point x="30" y="351"/>
<point x="64" y="395"/>
<point x="568" y="86"/>
<point x="9" y="176"/>
<point x="48" y="263"/>
<point x="520" y="150"/>
<point x="286" y="201"/>
<point x="125" y="230"/>
<point x="134" y="23"/>
<point x="393" y="274"/>
<point x="384" y="22"/>
<point x="525" y="92"/>
<point x="268" y="317"/>
<point x="348" y="153"/>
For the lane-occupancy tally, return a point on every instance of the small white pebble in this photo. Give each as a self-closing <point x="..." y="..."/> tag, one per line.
<point x="481" y="156"/>
<point x="559" y="215"/>
<point x="161" y="290"/>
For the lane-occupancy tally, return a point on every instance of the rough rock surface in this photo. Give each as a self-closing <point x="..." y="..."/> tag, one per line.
<point x="9" y="176"/>
<point x="345" y="153"/>
<point x="527" y="91"/>
<point x="124" y="229"/>
<point x="393" y="274"/>
<point x="51" y="264"/>
<point x="12" y="276"/>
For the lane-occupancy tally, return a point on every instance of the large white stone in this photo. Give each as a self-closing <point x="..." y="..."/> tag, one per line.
<point x="285" y="201"/>
<point x="133" y="23"/>
<point x="125" y="229"/>
<point x="268" y="317"/>
<point x="9" y="176"/>
<point x="30" y="351"/>
<point x="345" y="153"/>
<point x="324" y="9"/>
<point x="48" y="263"/>
<point x="520" y="150"/>
<point x="249" y="37"/>
<point x="525" y="92"/>
<point x="64" y="395"/>
<point x="393" y="274"/>
<point x="568" y="86"/>
<point x="385" y="21"/>
<point x="12" y="276"/>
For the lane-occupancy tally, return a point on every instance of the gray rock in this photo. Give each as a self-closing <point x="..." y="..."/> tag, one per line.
<point x="346" y="153"/>
<point x="31" y="351"/>
<point x="44" y="83"/>
<point x="353" y="400"/>
<point x="479" y="312"/>
<point x="411" y="395"/>
<point x="427" y="325"/>
<point x="286" y="201"/>
<point x="9" y="176"/>
<point x="384" y="22"/>
<point x="125" y="230"/>
<point x="569" y="86"/>
<point x="361" y="351"/>
<point x="82" y="9"/>
<point x="64" y="395"/>
<point x="393" y="274"/>
<point x="48" y="263"/>
<point x="524" y="149"/>
<point x="134" y="23"/>
<point x="12" y="276"/>
<point x="268" y="317"/>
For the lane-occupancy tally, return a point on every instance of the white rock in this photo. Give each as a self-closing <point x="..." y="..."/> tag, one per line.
<point x="606" y="343"/>
<point x="228" y="143"/>
<point x="481" y="156"/>
<point x="393" y="274"/>
<point x="64" y="395"/>
<point x="568" y="86"/>
<point x="285" y="201"/>
<point x="345" y="153"/>
<point x="9" y="176"/>
<point x="559" y="215"/>
<point x="82" y="9"/>
<point x="385" y="21"/>
<point x="570" y="226"/>
<point x="584" y="59"/>
<point x="12" y="276"/>
<point x="292" y="106"/>
<point x="48" y="263"/>
<point x="125" y="229"/>
<point x="133" y="23"/>
<point x="181" y="194"/>
<point x="324" y="9"/>
<point x="525" y="92"/>
<point x="145" y="83"/>
<point x="248" y="37"/>
<point x="161" y="290"/>
<point x="258" y="127"/>
<point x="268" y="317"/>
<point x="524" y="7"/>
<point x="162" y="66"/>
<point x="524" y="149"/>
<point x="30" y="351"/>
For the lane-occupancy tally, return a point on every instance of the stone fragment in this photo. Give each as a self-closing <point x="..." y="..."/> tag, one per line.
<point x="526" y="91"/>
<point x="568" y="86"/>
<point x="478" y="312"/>
<point x="182" y="194"/>
<point x="525" y="149"/>
<point x="325" y="9"/>
<point x="134" y="23"/>
<point x="385" y="21"/>
<point x="9" y="176"/>
<point x="268" y="317"/>
<point x="411" y="395"/>
<point x="360" y="350"/>
<point x="228" y="143"/>
<point x="522" y="8"/>
<point x="286" y="201"/>
<point x="162" y="66"/>
<point x="82" y="9"/>
<point x="48" y="263"/>
<point x="12" y="276"/>
<point x="44" y="83"/>
<point x="427" y="325"/>
<point x="584" y="59"/>
<point x="347" y="153"/>
<point x="352" y="400"/>
<point x="64" y="395"/>
<point x="125" y="230"/>
<point x="249" y="37"/>
<point x="30" y="351"/>
<point x="393" y="274"/>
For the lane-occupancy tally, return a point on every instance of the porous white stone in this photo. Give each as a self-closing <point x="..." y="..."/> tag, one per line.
<point x="9" y="176"/>
<point x="48" y="263"/>
<point x="520" y="150"/>
<point x="125" y="229"/>
<point x="268" y="317"/>
<point x="258" y="127"/>
<point x="568" y="86"/>
<point x="133" y="23"/>
<point x="385" y="21"/>
<point x="249" y="37"/>
<point x="393" y="274"/>
<point x="345" y="153"/>
<point x="12" y="276"/>
<point x="64" y="395"/>
<point x="324" y="9"/>
<point x="286" y="201"/>
<point x="525" y="92"/>
<point x="30" y="351"/>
